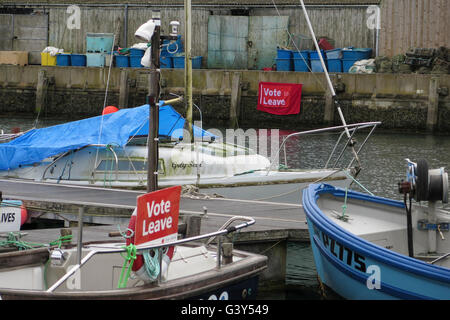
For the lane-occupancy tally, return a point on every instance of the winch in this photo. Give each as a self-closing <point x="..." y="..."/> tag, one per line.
<point x="423" y="184"/>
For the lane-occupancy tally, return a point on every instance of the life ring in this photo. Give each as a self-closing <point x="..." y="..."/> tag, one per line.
<point x="138" y="265"/>
<point x="17" y="204"/>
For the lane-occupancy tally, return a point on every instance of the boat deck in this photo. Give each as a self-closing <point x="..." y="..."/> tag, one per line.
<point x="273" y="220"/>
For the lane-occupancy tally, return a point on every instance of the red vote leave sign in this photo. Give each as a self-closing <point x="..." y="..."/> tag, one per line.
<point x="279" y="98"/>
<point x="157" y="216"/>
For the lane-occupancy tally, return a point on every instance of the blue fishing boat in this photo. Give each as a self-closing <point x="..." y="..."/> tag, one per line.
<point x="367" y="247"/>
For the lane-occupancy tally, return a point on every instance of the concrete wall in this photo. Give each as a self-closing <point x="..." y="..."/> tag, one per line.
<point x="399" y="101"/>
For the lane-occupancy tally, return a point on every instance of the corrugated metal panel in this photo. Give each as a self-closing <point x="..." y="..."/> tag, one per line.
<point x="227" y="42"/>
<point x="265" y="34"/>
<point x="413" y="23"/>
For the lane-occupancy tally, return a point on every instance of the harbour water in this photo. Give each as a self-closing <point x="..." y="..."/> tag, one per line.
<point x="383" y="166"/>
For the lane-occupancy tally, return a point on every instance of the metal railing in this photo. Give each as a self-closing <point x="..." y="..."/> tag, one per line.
<point x="107" y="249"/>
<point x="352" y="128"/>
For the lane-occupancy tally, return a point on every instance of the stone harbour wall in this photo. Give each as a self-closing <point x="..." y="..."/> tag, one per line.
<point x="405" y="102"/>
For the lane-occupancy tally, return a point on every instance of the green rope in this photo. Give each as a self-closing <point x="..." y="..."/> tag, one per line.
<point x="344" y="207"/>
<point x="358" y="183"/>
<point x="61" y="240"/>
<point x="12" y="240"/>
<point x="129" y="259"/>
<point x="344" y="217"/>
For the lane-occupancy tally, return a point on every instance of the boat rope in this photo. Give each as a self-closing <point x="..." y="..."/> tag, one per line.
<point x="129" y="260"/>
<point x="12" y="240"/>
<point x="68" y="162"/>
<point x="192" y="192"/>
<point x="358" y="183"/>
<point x="298" y="189"/>
<point x="151" y="263"/>
<point x="129" y="233"/>
<point x="344" y="217"/>
<point x="109" y="147"/>
<point x="117" y="25"/>
<point x="344" y="207"/>
<point x="61" y="240"/>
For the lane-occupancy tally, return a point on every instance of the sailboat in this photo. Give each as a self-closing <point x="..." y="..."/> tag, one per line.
<point x="101" y="154"/>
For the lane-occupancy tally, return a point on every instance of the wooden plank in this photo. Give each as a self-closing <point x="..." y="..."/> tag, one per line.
<point x="14" y="57"/>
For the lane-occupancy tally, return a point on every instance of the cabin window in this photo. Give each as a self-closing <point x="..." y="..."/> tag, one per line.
<point x="128" y="165"/>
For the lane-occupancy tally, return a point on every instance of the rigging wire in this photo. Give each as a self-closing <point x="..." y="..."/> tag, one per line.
<point x="106" y="97"/>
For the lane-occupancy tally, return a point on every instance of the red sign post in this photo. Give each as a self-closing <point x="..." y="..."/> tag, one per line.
<point x="157" y="216"/>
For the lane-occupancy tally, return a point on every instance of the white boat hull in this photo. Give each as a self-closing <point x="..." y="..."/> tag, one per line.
<point x="226" y="170"/>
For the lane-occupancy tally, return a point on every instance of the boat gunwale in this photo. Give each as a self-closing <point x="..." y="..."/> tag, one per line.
<point x="249" y="266"/>
<point x="394" y="259"/>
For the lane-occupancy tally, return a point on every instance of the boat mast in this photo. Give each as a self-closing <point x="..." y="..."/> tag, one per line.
<point x="327" y="76"/>
<point x="153" y="101"/>
<point x="188" y="66"/>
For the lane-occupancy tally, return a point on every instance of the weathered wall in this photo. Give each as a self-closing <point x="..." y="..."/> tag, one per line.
<point x="399" y="101"/>
<point x="404" y="23"/>
<point x="346" y="25"/>
<point x="413" y="23"/>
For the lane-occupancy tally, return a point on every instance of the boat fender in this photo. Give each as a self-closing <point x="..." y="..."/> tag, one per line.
<point x="139" y="263"/>
<point x="109" y="109"/>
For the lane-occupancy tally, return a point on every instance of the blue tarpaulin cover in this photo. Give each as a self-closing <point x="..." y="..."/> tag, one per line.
<point x="114" y="128"/>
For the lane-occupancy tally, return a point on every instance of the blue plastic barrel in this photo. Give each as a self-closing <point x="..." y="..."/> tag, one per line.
<point x="284" y="54"/>
<point x="334" y="54"/>
<point x="171" y="48"/>
<point x="315" y="54"/>
<point x="166" y="62"/>
<point x="334" y="65"/>
<point x="301" y="55"/>
<point x="284" y="65"/>
<point x="135" y="62"/>
<point x="316" y="65"/>
<point x="348" y="63"/>
<point x="357" y="54"/>
<point x="63" y="60"/>
<point x="301" y="65"/>
<point x="78" y="60"/>
<point x="178" y="62"/>
<point x="137" y="52"/>
<point x="122" y="61"/>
